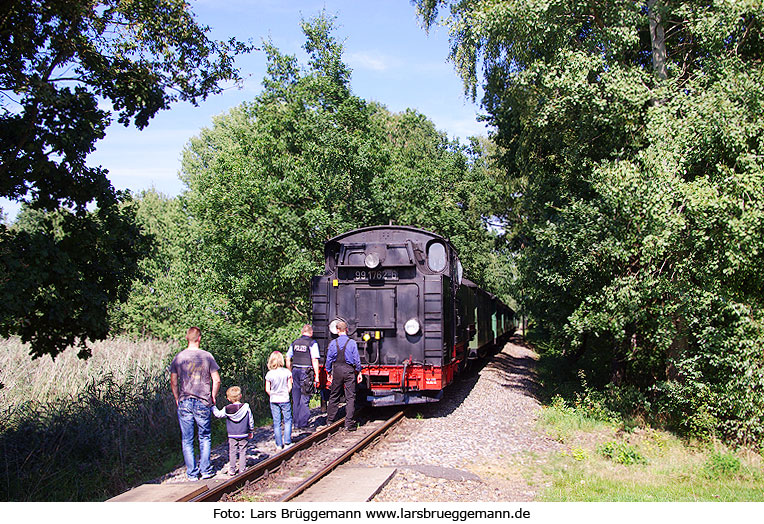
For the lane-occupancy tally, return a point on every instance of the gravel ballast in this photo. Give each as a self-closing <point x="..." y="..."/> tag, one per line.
<point x="467" y="447"/>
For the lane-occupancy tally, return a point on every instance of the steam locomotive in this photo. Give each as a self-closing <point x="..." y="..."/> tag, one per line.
<point x="415" y="317"/>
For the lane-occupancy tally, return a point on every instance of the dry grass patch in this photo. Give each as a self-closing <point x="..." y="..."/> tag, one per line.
<point x="47" y="380"/>
<point x="518" y="477"/>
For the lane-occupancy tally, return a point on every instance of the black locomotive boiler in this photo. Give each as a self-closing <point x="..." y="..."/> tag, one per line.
<point x="416" y="319"/>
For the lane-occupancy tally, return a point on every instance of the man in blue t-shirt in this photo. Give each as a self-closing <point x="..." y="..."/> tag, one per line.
<point x="344" y="364"/>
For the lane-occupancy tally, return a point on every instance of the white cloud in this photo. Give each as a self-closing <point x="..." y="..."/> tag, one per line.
<point x="372" y="61"/>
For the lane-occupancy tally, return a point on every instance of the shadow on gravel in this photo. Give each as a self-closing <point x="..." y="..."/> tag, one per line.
<point x="516" y="373"/>
<point x="519" y="374"/>
<point x="453" y="397"/>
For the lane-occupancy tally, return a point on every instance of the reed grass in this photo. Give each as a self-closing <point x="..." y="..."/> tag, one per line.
<point x="85" y="430"/>
<point x="47" y="380"/>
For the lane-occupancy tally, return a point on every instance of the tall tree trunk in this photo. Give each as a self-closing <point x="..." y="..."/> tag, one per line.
<point x="618" y="363"/>
<point x="657" y="39"/>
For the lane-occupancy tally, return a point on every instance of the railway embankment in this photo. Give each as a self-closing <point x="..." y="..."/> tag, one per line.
<point x="460" y="449"/>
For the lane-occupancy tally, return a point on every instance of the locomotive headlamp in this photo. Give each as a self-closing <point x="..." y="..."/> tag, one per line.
<point x="371" y="261"/>
<point x="412" y="327"/>
<point x="366" y="337"/>
<point x="333" y="326"/>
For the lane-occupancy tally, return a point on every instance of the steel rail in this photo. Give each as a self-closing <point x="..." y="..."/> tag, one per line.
<point x="345" y="456"/>
<point x="265" y="467"/>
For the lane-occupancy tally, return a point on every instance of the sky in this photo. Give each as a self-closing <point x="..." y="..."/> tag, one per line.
<point x="394" y="62"/>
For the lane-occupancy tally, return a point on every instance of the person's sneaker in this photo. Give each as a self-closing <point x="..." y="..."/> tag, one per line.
<point x="207" y="476"/>
<point x="279" y="448"/>
<point x="352" y="428"/>
<point x="192" y="479"/>
<point x="287" y="446"/>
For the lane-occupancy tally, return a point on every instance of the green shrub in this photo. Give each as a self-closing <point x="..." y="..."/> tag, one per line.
<point x="621" y="452"/>
<point x="721" y="465"/>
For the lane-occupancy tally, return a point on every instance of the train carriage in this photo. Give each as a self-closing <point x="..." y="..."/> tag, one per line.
<point x="417" y="321"/>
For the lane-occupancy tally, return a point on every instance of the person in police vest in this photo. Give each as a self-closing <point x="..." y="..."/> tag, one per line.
<point x="302" y="361"/>
<point x="344" y="363"/>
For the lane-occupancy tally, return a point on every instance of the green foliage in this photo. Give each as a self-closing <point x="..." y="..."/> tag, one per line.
<point x="58" y="58"/>
<point x="635" y="198"/>
<point x="176" y="289"/>
<point x="621" y="452"/>
<point x="61" y="269"/>
<point x="721" y="465"/>
<point x="271" y="180"/>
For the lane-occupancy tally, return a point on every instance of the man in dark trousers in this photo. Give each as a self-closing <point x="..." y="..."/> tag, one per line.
<point x="301" y="359"/>
<point x="344" y="363"/>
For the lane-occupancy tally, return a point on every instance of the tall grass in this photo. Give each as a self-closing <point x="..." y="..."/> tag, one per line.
<point x="44" y="379"/>
<point x="608" y="462"/>
<point x="84" y="430"/>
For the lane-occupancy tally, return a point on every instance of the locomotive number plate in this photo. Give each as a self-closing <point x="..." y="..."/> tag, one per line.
<point x="382" y="274"/>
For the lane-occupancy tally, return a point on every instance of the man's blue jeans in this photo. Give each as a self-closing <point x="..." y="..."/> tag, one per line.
<point x="193" y="412"/>
<point x="279" y="410"/>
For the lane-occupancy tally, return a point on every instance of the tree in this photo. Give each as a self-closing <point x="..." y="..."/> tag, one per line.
<point x="631" y="142"/>
<point x="58" y="60"/>
<point x="59" y="299"/>
<point x="165" y="295"/>
<point x="273" y="179"/>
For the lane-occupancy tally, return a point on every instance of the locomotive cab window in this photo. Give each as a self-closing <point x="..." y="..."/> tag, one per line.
<point x="436" y="256"/>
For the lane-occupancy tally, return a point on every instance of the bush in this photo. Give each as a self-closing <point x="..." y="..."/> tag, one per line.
<point x="621" y="452"/>
<point x="721" y="465"/>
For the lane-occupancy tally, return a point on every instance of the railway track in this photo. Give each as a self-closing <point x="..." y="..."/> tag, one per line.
<point x="287" y="474"/>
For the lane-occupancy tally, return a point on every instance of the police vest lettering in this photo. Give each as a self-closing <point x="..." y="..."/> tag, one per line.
<point x="301" y="352"/>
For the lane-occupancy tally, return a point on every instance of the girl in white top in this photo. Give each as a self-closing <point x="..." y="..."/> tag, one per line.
<point x="278" y="385"/>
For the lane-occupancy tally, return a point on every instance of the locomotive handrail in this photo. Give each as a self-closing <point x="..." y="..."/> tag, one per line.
<point x="397" y="264"/>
